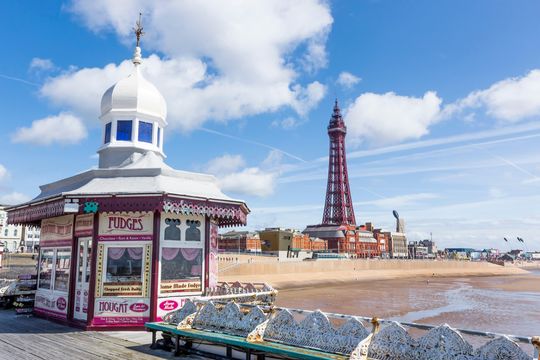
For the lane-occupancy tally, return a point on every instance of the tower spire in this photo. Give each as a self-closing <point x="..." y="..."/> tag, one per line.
<point x="338" y="207"/>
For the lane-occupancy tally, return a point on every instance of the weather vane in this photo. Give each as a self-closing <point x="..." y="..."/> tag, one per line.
<point x="138" y="29"/>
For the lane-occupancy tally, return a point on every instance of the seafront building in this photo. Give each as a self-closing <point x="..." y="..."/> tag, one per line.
<point x="131" y="240"/>
<point x="17" y="238"/>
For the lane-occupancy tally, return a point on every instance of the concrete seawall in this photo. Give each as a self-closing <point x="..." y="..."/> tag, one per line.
<point x="307" y="273"/>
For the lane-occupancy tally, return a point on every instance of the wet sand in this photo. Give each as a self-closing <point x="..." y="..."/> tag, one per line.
<point x="505" y="304"/>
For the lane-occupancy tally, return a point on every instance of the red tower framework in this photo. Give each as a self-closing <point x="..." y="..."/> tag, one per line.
<point x="338" y="207"/>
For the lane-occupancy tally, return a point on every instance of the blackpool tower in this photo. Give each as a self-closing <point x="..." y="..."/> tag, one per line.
<point x="338" y="207"/>
<point x="338" y="224"/>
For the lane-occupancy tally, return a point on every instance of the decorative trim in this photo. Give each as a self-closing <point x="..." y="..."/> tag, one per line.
<point x="32" y="213"/>
<point x="223" y="212"/>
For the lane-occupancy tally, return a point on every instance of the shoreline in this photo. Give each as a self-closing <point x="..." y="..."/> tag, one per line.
<point x="303" y="275"/>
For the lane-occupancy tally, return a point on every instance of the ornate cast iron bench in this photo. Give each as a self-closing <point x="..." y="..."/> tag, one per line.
<point x="274" y="332"/>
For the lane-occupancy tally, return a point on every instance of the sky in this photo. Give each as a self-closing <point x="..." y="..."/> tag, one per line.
<point x="441" y="101"/>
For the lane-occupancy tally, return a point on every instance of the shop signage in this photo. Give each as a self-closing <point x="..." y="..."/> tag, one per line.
<point x="122" y="289"/>
<point x="50" y="304"/>
<point x="121" y="311"/>
<point x="174" y="286"/>
<point x="56" y="231"/>
<point x="84" y="225"/>
<point x="166" y="305"/>
<point x="130" y="226"/>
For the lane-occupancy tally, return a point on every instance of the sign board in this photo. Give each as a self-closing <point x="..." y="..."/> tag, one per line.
<point x="174" y="286"/>
<point x="56" y="231"/>
<point x="166" y="305"/>
<point x="54" y="305"/>
<point x="121" y="311"/>
<point x="126" y="226"/>
<point x="84" y="225"/>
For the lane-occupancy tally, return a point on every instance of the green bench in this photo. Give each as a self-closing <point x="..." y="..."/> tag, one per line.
<point x="230" y="342"/>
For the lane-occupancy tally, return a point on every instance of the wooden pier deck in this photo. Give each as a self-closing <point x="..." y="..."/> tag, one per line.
<point x="30" y="338"/>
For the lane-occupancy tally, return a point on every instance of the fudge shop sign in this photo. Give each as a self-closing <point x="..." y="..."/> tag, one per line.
<point x="126" y="226"/>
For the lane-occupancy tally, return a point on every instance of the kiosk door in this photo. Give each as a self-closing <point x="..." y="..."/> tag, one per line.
<point x="83" y="277"/>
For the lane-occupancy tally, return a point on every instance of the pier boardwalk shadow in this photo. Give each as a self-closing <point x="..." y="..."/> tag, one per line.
<point x="29" y="338"/>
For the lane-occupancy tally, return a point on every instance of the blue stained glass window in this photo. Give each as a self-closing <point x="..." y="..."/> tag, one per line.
<point x="123" y="130"/>
<point x="108" y="133"/>
<point x="145" y="132"/>
<point x="158" y="136"/>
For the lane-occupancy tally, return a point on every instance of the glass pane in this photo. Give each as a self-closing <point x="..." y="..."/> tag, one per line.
<point x="45" y="269"/>
<point x="88" y="260"/>
<point x="181" y="270"/>
<point x="158" y="136"/>
<point x="108" y="133"/>
<point x="81" y="261"/>
<point x="61" y="276"/>
<point x="145" y="131"/>
<point x="123" y="130"/>
<point x="124" y="272"/>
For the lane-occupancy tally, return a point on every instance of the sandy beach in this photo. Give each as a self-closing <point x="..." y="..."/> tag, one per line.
<point x="288" y="275"/>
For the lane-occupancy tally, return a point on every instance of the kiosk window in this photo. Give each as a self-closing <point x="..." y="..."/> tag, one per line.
<point x="181" y="270"/>
<point x="124" y="272"/>
<point x="61" y="275"/>
<point x="45" y="269"/>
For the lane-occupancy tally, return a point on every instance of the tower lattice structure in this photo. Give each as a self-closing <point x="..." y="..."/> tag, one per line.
<point x="338" y="207"/>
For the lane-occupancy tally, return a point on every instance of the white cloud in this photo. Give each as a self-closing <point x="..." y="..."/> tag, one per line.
<point x="221" y="60"/>
<point x="250" y="181"/>
<point x="13" y="198"/>
<point x="508" y="100"/>
<point x="225" y="164"/>
<point x="38" y="65"/>
<point x="391" y="118"/>
<point x="347" y="80"/>
<point x="63" y="128"/>
<point x="3" y="172"/>
<point x="233" y="176"/>
<point x="288" y="123"/>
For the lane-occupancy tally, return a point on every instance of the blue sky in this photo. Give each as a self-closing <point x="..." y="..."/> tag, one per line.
<point x="441" y="99"/>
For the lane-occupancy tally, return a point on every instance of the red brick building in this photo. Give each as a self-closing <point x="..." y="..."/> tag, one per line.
<point x="239" y="241"/>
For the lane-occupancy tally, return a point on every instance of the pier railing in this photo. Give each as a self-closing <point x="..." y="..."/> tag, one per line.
<point x="266" y="324"/>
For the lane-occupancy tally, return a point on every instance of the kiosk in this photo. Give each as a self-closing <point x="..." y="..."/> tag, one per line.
<point x="131" y="240"/>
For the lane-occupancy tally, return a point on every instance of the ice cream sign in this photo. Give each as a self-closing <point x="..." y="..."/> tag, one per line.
<point x="126" y="226"/>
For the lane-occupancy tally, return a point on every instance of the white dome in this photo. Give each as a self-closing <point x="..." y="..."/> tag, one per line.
<point x="134" y="94"/>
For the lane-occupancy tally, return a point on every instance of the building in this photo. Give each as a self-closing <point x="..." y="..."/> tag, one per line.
<point x="431" y="247"/>
<point x="17" y="238"/>
<point x="338" y="224"/>
<point x="31" y="237"/>
<point x="417" y="250"/>
<point x="398" y="245"/>
<point x="366" y="244"/>
<point x="383" y="241"/>
<point x="239" y="242"/>
<point x="131" y="240"/>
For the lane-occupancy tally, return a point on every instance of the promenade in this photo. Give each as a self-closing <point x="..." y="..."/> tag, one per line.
<point x="29" y="338"/>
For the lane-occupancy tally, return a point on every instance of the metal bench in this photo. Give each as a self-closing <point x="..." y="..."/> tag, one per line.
<point x="274" y="332"/>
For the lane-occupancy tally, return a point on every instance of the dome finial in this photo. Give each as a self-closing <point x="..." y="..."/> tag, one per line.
<point x="138" y="30"/>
